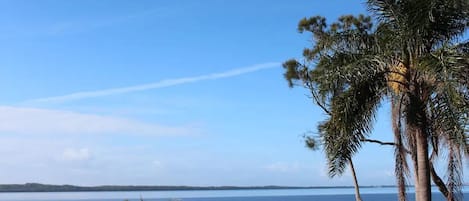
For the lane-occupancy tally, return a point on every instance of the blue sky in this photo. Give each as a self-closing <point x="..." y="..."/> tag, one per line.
<point x="163" y="93"/>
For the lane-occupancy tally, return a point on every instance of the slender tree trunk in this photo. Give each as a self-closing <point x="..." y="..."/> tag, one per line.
<point x="423" y="187"/>
<point x="410" y="132"/>
<point x="355" y="182"/>
<point x="416" y="179"/>
<point x="439" y="182"/>
<point x="399" y="150"/>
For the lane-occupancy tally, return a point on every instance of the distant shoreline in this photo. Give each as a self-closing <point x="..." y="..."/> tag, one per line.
<point x="36" y="187"/>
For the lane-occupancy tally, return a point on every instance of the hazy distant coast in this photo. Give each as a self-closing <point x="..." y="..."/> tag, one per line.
<point x="36" y="187"/>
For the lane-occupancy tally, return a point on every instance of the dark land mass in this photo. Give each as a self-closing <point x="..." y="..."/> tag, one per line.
<point x="36" y="187"/>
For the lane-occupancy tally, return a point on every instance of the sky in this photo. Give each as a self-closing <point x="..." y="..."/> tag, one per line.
<point x="164" y="93"/>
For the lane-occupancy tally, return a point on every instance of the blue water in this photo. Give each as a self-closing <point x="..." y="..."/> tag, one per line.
<point x="331" y="194"/>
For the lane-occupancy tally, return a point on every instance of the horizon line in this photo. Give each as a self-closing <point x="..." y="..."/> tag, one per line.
<point x="208" y="186"/>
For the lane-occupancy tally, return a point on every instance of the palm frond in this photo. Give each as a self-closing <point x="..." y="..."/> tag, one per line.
<point x="454" y="174"/>
<point x="353" y="113"/>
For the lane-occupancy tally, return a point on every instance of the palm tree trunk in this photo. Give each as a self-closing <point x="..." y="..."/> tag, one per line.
<point x="355" y="182"/>
<point x="416" y="118"/>
<point x="423" y="186"/>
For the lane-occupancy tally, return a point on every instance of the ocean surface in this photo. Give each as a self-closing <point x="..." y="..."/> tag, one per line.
<point x="327" y="194"/>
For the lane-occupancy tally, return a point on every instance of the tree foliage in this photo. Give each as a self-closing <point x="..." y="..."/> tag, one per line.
<point x="410" y="53"/>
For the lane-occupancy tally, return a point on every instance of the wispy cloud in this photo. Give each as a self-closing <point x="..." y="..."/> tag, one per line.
<point x="82" y="25"/>
<point x="45" y="121"/>
<point x="71" y="154"/>
<point x="77" y="25"/>
<point x="155" y="85"/>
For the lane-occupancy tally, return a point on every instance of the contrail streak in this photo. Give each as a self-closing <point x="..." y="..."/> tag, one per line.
<point x="155" y="85"/>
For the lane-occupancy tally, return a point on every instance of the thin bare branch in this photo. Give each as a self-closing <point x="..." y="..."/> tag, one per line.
<point x="379" y="142"/>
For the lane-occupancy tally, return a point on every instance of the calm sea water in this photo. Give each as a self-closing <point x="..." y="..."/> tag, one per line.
<point x="332" y="194"/>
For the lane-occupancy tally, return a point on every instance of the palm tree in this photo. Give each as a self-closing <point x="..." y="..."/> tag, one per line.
<point x="413" y="58"/>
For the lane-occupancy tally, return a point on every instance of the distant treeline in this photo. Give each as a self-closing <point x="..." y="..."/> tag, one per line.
<point x="35" y="187"/>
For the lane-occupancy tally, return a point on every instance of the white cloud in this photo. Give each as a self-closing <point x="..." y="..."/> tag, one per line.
<point x="45" y="121"/>
<point x="283" y="167"/>
<point x="389" y="173"/>
<point x="157" y="164"/>
<point x="156" y="85"/>
<point x="71" y="154"/>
